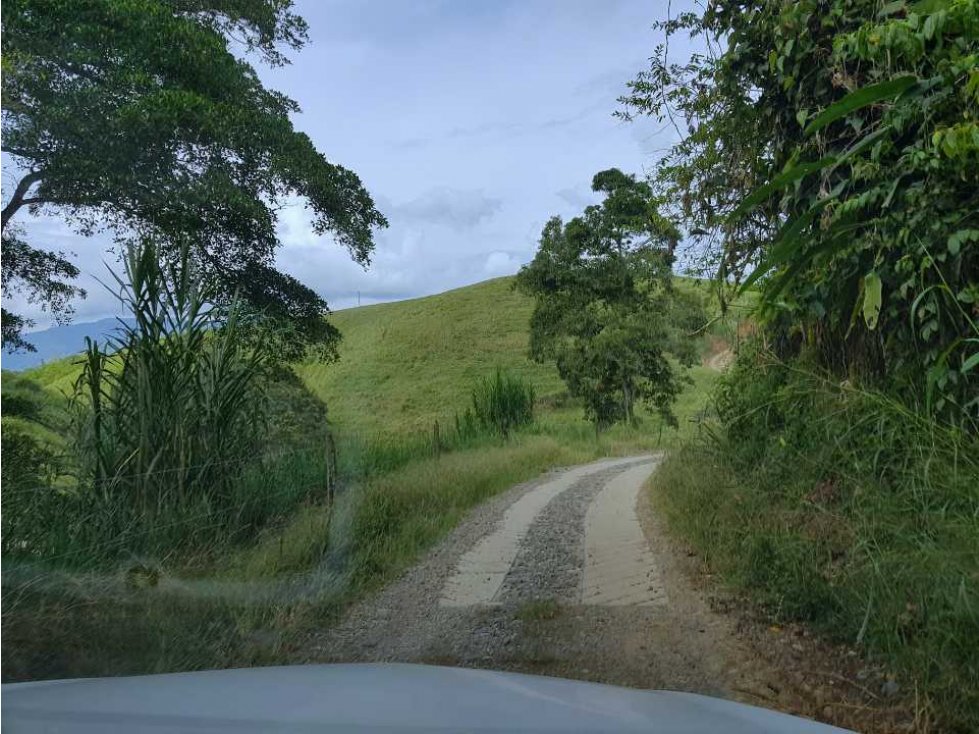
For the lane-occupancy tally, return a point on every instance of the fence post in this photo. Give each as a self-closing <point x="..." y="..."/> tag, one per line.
<point x="331" y="467"/>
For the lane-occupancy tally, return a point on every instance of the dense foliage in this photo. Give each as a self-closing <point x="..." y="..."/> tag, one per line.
<point x="144" y="118"/>
<point x="839" y="506"/>
<point x="173" y="407"/>
<point x="165" y="444"/>
<point x="832" y="146"/>
<point x="605" y="305"/>
<point x="829" y="154"/>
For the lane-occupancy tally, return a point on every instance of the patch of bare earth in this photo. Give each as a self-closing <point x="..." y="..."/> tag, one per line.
<point x="719" y="355"/>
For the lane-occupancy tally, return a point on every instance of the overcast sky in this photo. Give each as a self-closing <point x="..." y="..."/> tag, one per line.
<point x="470" y="122"/>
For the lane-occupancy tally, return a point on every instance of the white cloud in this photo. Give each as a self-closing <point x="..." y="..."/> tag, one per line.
<point x="577" y="197"/>
<point x="458" y="208"/>
<point x="500" y="263"/>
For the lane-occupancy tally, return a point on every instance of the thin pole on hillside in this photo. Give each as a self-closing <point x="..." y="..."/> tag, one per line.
<point x="331" y="468"/>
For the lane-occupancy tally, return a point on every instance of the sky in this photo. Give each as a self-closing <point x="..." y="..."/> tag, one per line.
<point x="471" y="124"/>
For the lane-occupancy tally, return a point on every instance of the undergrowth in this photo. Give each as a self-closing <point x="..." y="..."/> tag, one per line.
<point x="380" y="526"/>
<point x="846" y="509"/>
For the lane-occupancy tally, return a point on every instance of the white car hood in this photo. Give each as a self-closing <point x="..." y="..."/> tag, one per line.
<point x="372" y="698"/>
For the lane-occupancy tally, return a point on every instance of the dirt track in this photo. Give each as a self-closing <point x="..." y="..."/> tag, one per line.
<point x="541" y="613"/>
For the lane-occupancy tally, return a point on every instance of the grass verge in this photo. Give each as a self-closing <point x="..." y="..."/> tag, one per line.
<point x="840" y="508"/>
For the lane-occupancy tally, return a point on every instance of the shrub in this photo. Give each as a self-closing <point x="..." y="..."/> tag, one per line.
<point x="499" y="405"/>
<point x="174" y="409"/>
<point x="840" y="506"/>
<point x="29" y="502"/>
<point x="831" y="148"/>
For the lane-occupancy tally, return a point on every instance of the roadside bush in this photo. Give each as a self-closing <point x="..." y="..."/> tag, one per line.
<point x="839" y="506"/>
<point x="174" y="408"/>
<point x="29" y="502"/>
<point x="170" y="424"/>
<point x="20" y="397"/>
<point x="500" y="404"/>
<point x="26" y="400"/>
<point x="830" y="155"/>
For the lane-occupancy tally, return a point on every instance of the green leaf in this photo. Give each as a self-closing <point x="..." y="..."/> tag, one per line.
<point x="788" y="244"/>
<point x="890" y="8"/>
<point x="970" y="363"/>
<point x="860" y="98"/>
<point x="865" y="142"/>
<point x="890" y="194"/>
<point x="872" y="296"/>
<point x="780" y="182"/>
<point x="957" y="239"/>
<point x="802" y="170"/>
<point x="924" y="7"/>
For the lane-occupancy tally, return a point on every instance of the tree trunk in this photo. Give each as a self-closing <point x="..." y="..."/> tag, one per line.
<point x="19" y="195"/>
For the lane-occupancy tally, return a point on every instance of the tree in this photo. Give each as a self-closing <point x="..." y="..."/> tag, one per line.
<point x="40" y="275"/>
<point x="830" y="152"/>
<point x="138" y="117"/>
<point x="606" y="311"/>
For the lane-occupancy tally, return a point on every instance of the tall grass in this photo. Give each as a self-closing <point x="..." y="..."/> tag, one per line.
<point x="500" y="404"/>
<point x="171" y="422"/>
<point x="174" y="405"/>
<point x="842" y="507"/>
<point x="382" y="525"/>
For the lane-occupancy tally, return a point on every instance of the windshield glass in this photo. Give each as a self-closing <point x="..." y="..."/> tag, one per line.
<point x="619" y="342"/>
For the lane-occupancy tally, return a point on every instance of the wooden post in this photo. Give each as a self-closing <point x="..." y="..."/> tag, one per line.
<point x="331" y="467"/>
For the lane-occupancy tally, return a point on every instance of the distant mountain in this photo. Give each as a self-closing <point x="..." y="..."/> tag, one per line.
<point x="57" y="342"/>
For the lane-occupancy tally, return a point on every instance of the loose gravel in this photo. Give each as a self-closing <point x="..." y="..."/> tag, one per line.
<point x="537" y="623"/>
<point x="550" y="561"/>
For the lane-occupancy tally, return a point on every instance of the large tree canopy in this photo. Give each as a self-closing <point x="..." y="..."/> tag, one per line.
<point x="606" y="311"/>
<point x="141" y="117"/>
<point x="832" y="146"/>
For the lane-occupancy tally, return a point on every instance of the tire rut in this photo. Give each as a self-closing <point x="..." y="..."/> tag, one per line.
<point x="405" y="621"/>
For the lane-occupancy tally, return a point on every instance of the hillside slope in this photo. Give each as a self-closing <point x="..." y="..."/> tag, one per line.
<point x="58" y="342"/>
<point x="404" y="365"/>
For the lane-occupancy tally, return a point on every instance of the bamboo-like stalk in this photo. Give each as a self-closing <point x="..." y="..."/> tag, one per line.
<point x="174" y="397"/>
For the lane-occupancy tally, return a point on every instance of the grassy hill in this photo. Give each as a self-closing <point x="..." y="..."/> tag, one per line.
<point x="406" y="364"/>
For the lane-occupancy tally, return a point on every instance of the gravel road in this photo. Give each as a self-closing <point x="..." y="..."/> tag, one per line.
<point x="535" y="621"/>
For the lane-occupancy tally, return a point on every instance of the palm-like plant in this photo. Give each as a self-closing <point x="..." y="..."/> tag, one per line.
<point x="171" y="408"/>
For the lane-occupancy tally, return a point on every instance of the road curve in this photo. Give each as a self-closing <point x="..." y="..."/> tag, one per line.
<point x="567" y="575"/>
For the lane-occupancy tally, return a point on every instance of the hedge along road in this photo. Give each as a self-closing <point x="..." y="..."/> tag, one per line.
<point x="567" y="575"/>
